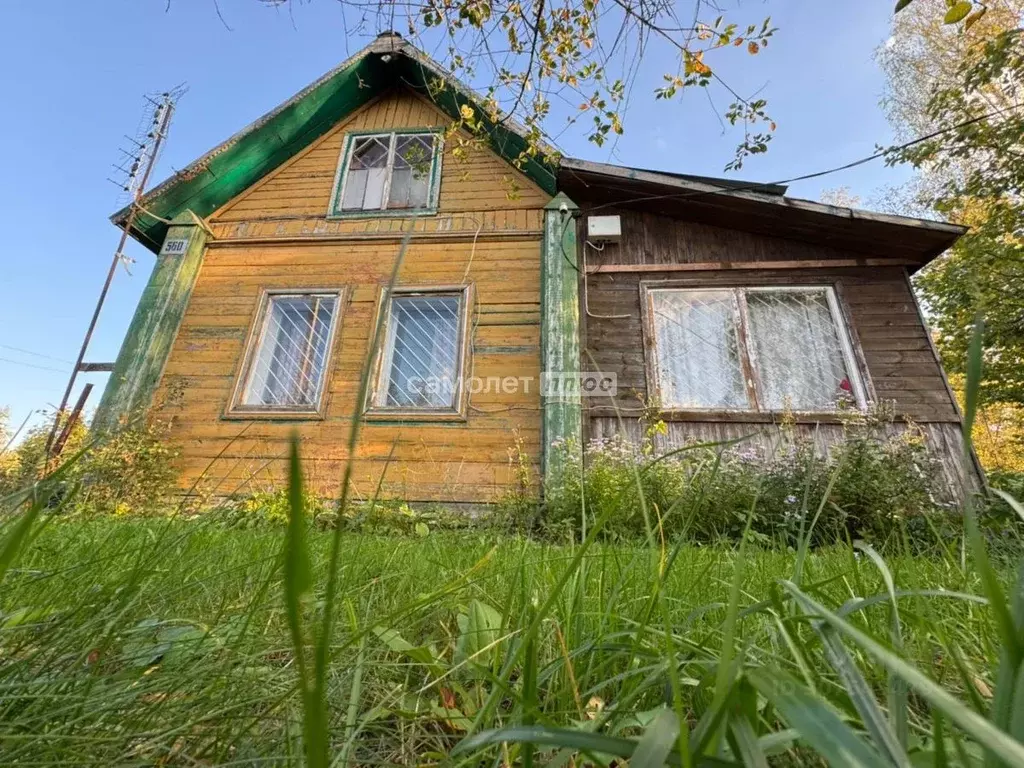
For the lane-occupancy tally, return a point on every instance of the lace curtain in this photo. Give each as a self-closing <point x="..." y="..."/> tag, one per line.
<point x="792" y="349"/>
<point x="697" y="349"/>
<point x="797" y="355"/>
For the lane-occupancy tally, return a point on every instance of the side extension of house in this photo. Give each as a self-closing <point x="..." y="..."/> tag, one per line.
<point x="801" y="301"/>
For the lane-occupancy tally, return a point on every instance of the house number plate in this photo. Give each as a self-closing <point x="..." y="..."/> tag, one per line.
<point x="176" y="247"/>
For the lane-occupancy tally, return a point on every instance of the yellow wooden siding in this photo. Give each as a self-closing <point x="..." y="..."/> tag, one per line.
<point x="463" y="461"/>
<point x="480" y="236"/>
<point x="302" y="187"/>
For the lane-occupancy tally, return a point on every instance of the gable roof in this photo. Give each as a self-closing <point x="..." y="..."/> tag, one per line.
<point x="231" y="167"/>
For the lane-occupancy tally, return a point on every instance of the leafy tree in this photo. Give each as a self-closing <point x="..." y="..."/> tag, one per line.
<point x="965" y="83"/>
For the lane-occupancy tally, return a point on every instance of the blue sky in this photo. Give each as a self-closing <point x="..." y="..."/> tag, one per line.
<point x="74" y="75"/>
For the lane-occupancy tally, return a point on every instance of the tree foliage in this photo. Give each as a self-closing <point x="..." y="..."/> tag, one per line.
<point x="965" y="86"/>
<point x="536" y="61"/>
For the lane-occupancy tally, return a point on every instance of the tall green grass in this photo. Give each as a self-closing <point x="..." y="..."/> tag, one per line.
<point x="174" y="642"/>
<point x="132" y="642"/>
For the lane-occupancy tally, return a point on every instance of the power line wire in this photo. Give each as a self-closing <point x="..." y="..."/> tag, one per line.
<point x="759" y="186"/>
<point x="32" y="365"/>
<point x="35" y="354"/>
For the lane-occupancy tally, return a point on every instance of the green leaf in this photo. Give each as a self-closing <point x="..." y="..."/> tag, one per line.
<point x="549" y="737"/>
<point x="901" y="4"/>
<point x="938" y="735"/>
<point x="745" y="744"/>
<point x="860" y="603"/>
<point x="17" y="537"/>
<point x="1003" y="711"/>
<point x="297" y="571"/>
<point x="298" y="582"/>
<point x="815" y="721"/>
<point x="972" y="387"/>
<point x="980" y="729"/>
<point x="860" y="694"/>
<point x="25" y="616"/>
<point x="657" y="741"/>
<point x="1017" y="709"/>
<point x="957" y="13"/>
<point x="480" y="630"/>
<point x="1015" y="505"/>
<point x="530" y="700"/>
<point x="571" y="739"/>
<point x="421" y="654"/>
<point x="974" y="18"/>
<point x="898" y="706"/>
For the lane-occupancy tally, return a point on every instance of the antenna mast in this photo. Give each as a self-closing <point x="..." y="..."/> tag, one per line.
<point x="136" y="165"/>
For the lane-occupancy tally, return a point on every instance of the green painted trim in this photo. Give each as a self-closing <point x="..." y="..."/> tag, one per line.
<point x="234" y="166"/>
<point x="562" y="420"/>
<point x="147" y="345"/>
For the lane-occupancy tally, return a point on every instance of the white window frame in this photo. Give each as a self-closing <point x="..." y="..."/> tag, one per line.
<point x="748" y="358"/>
<point x="341" y="177"/>
<point x="254" y="342"/>
<point x="385" y="351"/>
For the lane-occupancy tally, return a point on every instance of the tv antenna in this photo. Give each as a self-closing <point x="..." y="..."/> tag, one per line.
<point x="136" y="160"/>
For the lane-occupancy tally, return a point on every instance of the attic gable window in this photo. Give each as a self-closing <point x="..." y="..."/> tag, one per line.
<point x="288" y="354"/>
<point x="751" y="349"/>
<point x="395" y="172"/>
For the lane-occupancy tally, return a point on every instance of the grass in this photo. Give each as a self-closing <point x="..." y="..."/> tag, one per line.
<point x="173" y="642"/>
<point x="140" y="642"/>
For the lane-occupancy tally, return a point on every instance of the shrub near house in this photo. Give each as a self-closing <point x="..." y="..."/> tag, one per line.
<point x="131" y="472"/>
<point x="870" y="487"/>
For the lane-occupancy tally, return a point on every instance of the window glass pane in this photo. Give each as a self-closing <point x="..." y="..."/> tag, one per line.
<point x="697" y="349"/>
<point x="370" y="152"/>
<point x="422" y="355"/>
<point x="355" y="190"/>
<point x="373" y="199"/>
<point x="796" y="351"/>
<point x="410" y="179"/>
<point x="288" y="368"/>
<point x="366" y="174"/>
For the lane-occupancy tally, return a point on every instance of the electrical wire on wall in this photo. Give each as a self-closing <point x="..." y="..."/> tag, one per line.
<point x="586" y="298"/>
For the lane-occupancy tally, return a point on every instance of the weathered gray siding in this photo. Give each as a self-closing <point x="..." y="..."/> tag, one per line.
<point x="896" y="357"/>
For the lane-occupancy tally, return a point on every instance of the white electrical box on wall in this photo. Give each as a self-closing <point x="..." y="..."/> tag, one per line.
<point x="604" y="229"/>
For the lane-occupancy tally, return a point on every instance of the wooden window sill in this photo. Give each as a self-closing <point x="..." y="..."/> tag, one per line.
<point x="751" y="417"/>
<point x="419" y="417"/>
<point x="237" y="415"/>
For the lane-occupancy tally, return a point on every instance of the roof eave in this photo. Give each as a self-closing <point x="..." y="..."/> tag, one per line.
<point x="939" y="235"/>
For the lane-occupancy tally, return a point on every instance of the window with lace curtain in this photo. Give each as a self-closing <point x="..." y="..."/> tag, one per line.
<point x="393" y="171"/>
<point x="420" y="363"/>
<point x="751" y="349"/>
<point x="288" y="354"/>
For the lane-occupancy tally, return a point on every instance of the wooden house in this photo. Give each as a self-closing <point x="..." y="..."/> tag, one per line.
<point x="357" y="227"/>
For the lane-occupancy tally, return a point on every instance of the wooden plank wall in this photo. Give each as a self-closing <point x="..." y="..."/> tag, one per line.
<point x="258" y="246"/>
<point x="899" y="363"/>
<point x="477" y="181"/>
